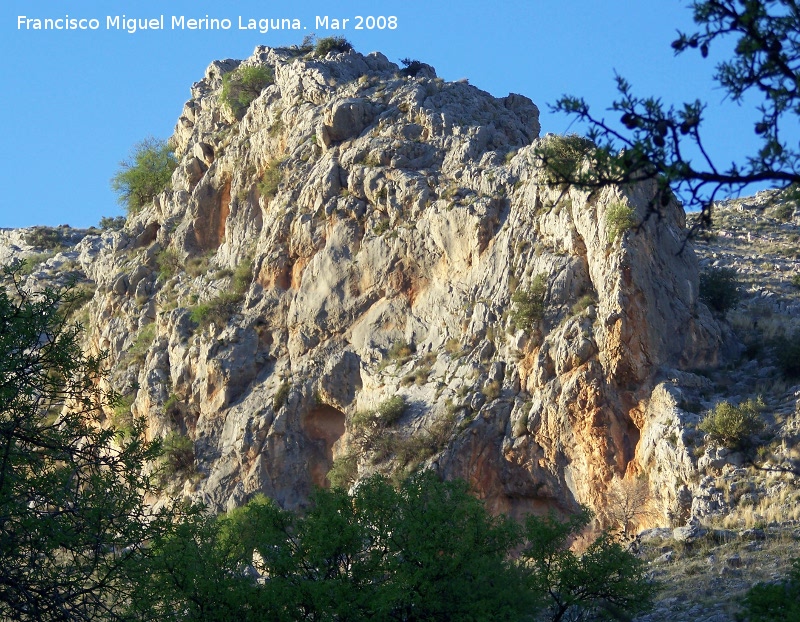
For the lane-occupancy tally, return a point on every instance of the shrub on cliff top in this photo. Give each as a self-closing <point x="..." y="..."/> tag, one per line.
<point x="242" y="85"/>
<point x="331" y="44"/>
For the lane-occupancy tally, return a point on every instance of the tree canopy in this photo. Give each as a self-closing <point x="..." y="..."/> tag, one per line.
<point x="427" y="550"/>
<point x="144" y="174"/>
<point x="72" y="511"/>
<point x="644" y="139"/>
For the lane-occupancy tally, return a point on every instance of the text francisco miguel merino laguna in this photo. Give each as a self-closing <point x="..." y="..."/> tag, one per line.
<point x="173" y="22"/>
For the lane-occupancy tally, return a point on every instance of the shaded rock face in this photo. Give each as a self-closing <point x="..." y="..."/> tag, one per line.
<point x="354" y="213"/>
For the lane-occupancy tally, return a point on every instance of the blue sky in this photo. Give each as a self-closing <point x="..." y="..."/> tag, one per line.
<point x="75" y="102"/>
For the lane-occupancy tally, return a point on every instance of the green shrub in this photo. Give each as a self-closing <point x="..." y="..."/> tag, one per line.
<point x="796" y="279"/>
<point x="122" y="417"/>
<point x="400" y="351"/>
<point x="196" y="266"/>
<point x="281" y="395"/>
<point x="529" y="303"/>
<point x="492" y="390"/>
<point x="32" y="262"/>
<point x="242" y="277"/>
<point x="332" y="44"/>
<point x="217" y="311"/>
<point x="145" y="174"/>
<point x="242" y="85"/>
<point x="344" y="471"/>
<point x="168" y="263"/>
<point x="719" y="288"/>
<point x="177" y="454"/>
<point x="733" y="426"/>
<point x="787" y="352"/>
<point x="411" y="67"/>
<point x="271" y="179"/>
<point x="392" y="409"/>
<point x="112" y="223"/>
<point x="583" y="303"/>
<point x="783" y="212"/>
<point x="561" y="156"/>
<point x="619" y="219"/>
<point x="45" y="237"/>
<point x="142" y="342"/>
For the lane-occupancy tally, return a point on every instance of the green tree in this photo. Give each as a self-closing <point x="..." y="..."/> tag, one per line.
<point x="659" y="143"/>
<point x="145" y="173"/>
<point x="72" y="511"/>
<point x="719" y="288"/>
<point x="606" y="581"/>
<point x="425" y="551"/>
<point x="734" y="426"/>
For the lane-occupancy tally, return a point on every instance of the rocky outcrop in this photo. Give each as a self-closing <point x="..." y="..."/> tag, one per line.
<point x="358" y="235"/>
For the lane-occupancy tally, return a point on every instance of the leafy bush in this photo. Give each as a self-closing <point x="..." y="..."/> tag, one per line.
<point x="32" y="262"/>
<point x="492" y="390"/>
<point x="411" y="67"/>
<point x="145" y="173"/>
<point x="271" y="179"/>
<point x="561" y="156"/>
<point x="784" y="212"/>
<point x="619" y="219"/>
<point x="113" y="223"/>
<point x="332" y="44"/>
<point x="242" y="277"/>
<point x="392" y="409"/>
<point x="787" y="351"/>
<point x="719" y="288"/>
<point x="400" y="351"/>
<point x="344" y="471"/>
<point x="281" y="395"/>
<point x="45" y="237"/>
<point x="529" y="303"/>
<point x="168" y="263"/>
<point x="178" y="454"/>
<point x="583" y="303"/>
<point x="217" y="311"/>
<point x="122" y="417"/>
<point x="733" y="426"/>
<point x="196" y="266"/>
<point x="142" y="342"/>
<point x="796" y="279"/>
<point x="242" y="85"/>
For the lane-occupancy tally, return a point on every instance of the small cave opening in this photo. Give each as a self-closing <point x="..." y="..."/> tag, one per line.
<point x="323" y="425"/>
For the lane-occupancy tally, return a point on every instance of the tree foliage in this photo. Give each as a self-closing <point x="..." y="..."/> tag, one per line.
<point x="145" y="173"/>
<point x="733" y="426"/>
<point x="665" y="144"/>
<point x="72" y="512"/>
<point x="605" y="581"/>
<point x="425" y="551"/>
<point x="719" y="288"/>
<point x="242" y="85"/>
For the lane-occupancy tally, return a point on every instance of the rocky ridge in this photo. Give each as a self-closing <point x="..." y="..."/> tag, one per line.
<point x="356" y="234"/>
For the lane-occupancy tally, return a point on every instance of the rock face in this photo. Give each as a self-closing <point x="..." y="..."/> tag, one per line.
<point x="359" y="235"/>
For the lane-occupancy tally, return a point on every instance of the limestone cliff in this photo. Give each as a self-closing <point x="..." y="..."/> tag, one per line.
<point x="357" y="234"/>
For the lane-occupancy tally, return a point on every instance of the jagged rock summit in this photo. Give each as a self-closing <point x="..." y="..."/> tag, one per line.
<point x="356" y="233"/>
